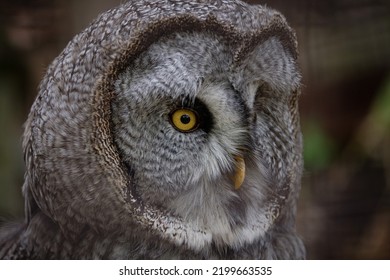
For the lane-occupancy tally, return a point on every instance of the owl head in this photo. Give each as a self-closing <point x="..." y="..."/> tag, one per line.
<point x="178" y="119"/>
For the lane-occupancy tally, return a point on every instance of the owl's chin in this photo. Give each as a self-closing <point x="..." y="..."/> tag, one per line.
<point x="213" y="214"/>
<point x="210" y="212"/>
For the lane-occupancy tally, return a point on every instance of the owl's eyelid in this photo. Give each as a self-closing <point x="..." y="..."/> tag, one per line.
<point x="187" y="102"/>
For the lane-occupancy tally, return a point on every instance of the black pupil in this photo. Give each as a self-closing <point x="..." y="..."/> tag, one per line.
<point x="185" y="119"/>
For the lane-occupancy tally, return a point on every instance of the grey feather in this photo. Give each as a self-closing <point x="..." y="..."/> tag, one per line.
<point x="108" y="176"/>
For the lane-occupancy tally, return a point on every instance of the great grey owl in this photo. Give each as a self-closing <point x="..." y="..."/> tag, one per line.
<point x="166" y="129"/>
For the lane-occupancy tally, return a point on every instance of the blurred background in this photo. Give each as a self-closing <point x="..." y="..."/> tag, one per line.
<point x="344" y="209"/>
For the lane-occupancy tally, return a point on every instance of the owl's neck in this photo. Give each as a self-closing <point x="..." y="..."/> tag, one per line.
<point x="43" y="239"/>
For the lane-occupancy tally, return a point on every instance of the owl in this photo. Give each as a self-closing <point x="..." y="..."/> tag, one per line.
<point x="166" y="130"/>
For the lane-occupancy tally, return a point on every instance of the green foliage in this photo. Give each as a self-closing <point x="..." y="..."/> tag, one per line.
<point x="319" y="148"/>
<point x="381" y="108"/>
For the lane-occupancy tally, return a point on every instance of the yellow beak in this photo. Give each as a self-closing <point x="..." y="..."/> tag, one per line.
<point x="239" y="174"/>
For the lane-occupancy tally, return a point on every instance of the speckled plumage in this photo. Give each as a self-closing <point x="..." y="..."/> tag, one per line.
<point x="107" y="175"/>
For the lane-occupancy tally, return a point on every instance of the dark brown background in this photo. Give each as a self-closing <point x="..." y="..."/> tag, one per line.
<point x="344" y="211"/>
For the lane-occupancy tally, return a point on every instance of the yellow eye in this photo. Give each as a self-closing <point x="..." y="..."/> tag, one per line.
<point x="184" y="120"/>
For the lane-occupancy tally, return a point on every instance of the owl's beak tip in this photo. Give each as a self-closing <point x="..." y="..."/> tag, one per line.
<point x="239" y="174"/>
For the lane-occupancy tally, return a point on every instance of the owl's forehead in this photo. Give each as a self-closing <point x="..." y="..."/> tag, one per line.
<point x="178" y="63"/>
